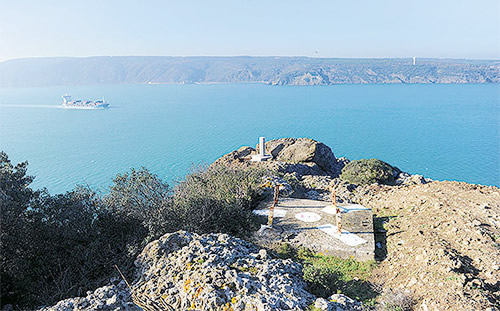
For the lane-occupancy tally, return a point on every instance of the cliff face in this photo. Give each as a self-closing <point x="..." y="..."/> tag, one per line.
<point x="270" y="70"/>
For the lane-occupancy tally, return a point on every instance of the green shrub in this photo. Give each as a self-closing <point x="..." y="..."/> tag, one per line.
<point x="366" y="172"/>
<point x="17" y="229"/>
<point x="54" y="247"/>
<point x="143" y="197"/>
<point x="322" y="281"/>
<point x="79" y="243"/>
<point x="218" y="198"/>
<point x="327" y="275"/>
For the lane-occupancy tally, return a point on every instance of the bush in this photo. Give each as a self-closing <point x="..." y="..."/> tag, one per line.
<point x="218" y="198"/>
<point x="143" y="197"/>
<point x="322" y="281"/>
<point x="79" y="241"/>
<point x="57" y="246"/>
<point x="366" y="172"/>
<point x="327" y="275"/>
<point x="54" y="247"/>
<point x="16" y="228"/>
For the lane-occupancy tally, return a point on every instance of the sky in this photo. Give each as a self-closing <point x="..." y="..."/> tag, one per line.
<point x="330" y="28"/>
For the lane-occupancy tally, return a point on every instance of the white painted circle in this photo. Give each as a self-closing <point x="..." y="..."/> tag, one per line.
<point x="308" y="216"/>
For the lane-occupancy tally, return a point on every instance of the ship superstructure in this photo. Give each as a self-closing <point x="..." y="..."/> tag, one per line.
<point x="83" y="104"/>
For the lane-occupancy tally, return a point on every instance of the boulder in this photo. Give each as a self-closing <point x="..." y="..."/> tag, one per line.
<point x="236" y="157"/>
<point x="406" y="179"/>
<point x="338" y="302"/>
<point x="275" y="146"/>
<point x="304" y="150"/>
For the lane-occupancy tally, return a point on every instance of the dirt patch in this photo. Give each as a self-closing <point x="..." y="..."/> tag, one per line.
<point x="439" y="240"/>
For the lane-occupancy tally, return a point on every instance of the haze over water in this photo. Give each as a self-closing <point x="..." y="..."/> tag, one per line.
<point x="440" y="131"/>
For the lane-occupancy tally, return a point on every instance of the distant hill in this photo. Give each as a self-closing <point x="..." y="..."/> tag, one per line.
<point x="271" y="70"/>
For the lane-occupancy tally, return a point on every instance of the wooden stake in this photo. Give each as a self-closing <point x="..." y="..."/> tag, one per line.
<point x="275" y="203"/>
<point x="338" y="215"/>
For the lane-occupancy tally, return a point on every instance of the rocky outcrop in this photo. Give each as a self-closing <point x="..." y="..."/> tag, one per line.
<point x="236" y="157"/>
<point x="303" y="156"/>
<point x="183" y="270"/>
<point x="212" y="271"/>
<point x="107" y="298"/>
<point x="304" y="150"/>
<point x="310" y="167"/>
<point x="406" y="179"/>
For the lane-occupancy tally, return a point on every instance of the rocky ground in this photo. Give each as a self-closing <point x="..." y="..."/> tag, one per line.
<point x="440" y="241"/>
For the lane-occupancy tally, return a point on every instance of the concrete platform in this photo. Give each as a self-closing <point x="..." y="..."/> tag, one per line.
<point x="312" y="224"/>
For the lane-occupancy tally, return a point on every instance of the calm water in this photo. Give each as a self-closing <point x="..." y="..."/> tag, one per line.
<point x="441" y="131"/>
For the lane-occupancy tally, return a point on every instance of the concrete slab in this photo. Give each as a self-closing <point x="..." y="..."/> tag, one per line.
<point x="278" y="213"/>
<point x="299" y="226"/>
<point x="346" y="237"/>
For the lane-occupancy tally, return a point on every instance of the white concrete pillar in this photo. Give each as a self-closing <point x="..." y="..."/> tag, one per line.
<point x="262" y="146"/>
<point x="262" y="156"/>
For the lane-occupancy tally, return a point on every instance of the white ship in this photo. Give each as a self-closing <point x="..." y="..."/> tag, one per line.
<point x="83" y="104"/>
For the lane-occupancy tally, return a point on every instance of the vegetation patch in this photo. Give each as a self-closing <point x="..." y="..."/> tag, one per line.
<point x="59" y="246"/>
<point x="327" y="275"/>
<point x="218" y="198"/>
<point x="369" y="171"/>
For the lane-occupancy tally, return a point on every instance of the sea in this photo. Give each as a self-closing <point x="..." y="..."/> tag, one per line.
<point x="443" y="132"/>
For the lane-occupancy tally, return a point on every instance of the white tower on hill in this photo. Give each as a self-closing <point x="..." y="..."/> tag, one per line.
<point x="414" y="60"/>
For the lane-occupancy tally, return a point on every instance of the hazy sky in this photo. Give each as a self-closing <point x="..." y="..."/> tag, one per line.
<point x="347" y="28"/>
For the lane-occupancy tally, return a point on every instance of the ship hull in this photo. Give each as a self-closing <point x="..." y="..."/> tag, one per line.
<point x="85" y="107"/>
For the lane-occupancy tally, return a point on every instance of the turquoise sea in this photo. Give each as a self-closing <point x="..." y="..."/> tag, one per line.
<point x="440" y="131"/>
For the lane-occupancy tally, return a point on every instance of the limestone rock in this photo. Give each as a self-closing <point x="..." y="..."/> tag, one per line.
<point x="406" y="179"/>
<point x="337" y="302"/>
<point x="236" y="156"/>
<point x="106" y="298"/>
<point x="211" y="271"/>
<point x="300" y="150"/>
<point x="303" y="156"/>
<point x="203" y="272"/>
<point x="344" y="191"/>
<point x="317" y="182"/>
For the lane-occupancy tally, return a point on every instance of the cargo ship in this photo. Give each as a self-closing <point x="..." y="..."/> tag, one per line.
<point x="83" y="104"/>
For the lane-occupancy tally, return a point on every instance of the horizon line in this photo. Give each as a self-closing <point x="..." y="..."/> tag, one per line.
<point x="252" y="56"/>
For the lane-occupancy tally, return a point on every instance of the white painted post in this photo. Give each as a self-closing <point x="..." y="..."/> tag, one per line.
<point x="262" y="146"/>
<point x="262" y="156"/>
